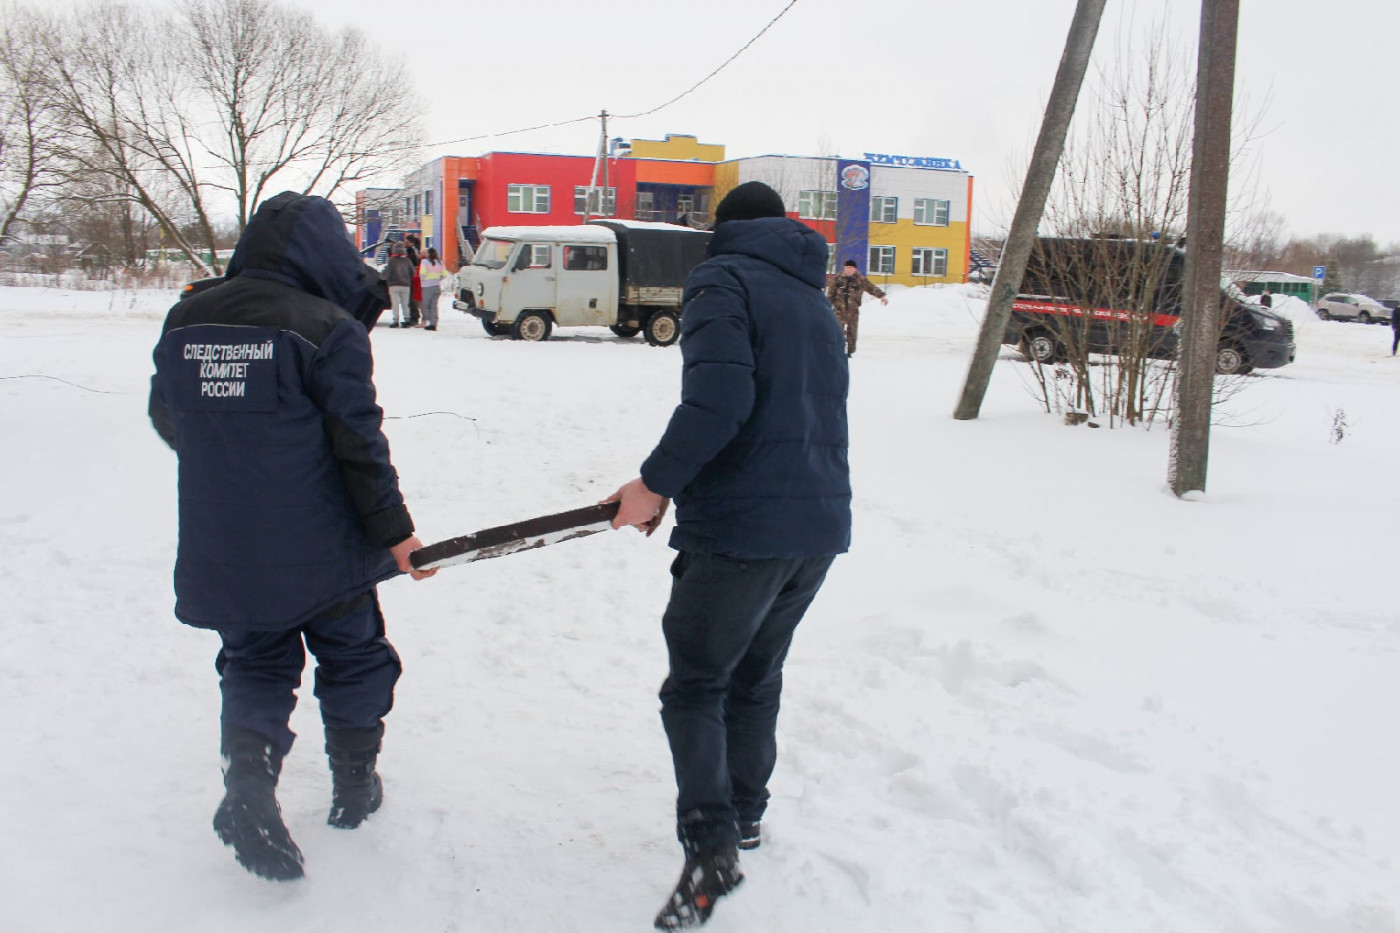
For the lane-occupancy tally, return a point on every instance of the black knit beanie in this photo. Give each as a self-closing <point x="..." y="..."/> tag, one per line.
<point x="750" y="200"/>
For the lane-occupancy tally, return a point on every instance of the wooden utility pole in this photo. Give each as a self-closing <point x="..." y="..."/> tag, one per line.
<point x="1049" y="146"/>
<point x="1205" y="236"/>
<point x="598" y="159"/>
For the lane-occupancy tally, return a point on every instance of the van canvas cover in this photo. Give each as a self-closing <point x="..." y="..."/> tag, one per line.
<point x="656" y="255"/>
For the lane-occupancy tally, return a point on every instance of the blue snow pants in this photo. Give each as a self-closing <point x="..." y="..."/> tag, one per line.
<point x="356" y="669"/>
<point x="728" y="626"/>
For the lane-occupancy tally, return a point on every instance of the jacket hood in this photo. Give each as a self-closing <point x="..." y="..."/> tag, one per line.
<point x="301" y="241"/>
<point x="794" y="247"/>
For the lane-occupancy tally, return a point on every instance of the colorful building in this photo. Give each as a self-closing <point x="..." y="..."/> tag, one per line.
<point x="903" y="220"/>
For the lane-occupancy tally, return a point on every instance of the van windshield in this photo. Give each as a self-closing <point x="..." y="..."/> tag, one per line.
<point x="493" y="253"/>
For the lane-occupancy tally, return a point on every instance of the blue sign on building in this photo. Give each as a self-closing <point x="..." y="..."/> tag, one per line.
<point x="1319" y="272"/>
<point x="852" y="213"/>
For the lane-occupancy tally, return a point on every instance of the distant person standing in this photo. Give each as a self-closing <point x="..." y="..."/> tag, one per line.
<point x="432" y="272"/>
<point x="845" y="294"/>
<point x="415" y="290"/>
<point x="1266" y="299"/>
<point x="399" y="274"/>
<point x="1394" y="329"/>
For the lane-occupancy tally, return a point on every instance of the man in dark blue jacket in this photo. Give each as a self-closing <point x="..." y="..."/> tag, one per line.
<point x="755" y="458"/>
<point x="290" y="511"/>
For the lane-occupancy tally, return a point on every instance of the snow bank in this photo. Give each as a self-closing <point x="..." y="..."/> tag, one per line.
<point x="1040" y="693"/>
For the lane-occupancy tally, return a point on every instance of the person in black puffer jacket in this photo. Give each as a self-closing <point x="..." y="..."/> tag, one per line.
<point x="290" y="511"/>
<point x="755" y="457"/>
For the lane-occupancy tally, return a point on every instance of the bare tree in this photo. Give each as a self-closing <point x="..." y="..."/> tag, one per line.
<point x="111" y="70"/>
<point x="294" y="105"/>
<point x="1123" y="184"/>
<point x="32" y="137"/>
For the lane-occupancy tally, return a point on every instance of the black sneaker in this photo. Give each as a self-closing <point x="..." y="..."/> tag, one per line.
<point x="705" y="879"/>
<point x="748" y="836"/>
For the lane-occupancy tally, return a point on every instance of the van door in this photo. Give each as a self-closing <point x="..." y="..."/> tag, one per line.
<point x="587" y="284"/>
<point x="531" y="282"/>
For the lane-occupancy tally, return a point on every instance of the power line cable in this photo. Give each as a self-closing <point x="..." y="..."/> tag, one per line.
<point x="629" y="116"/>
<point x="697" y="84"/>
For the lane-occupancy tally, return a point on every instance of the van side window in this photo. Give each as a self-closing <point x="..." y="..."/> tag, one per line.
<point x="586" y="258"/>
<point x="535" y="256"/>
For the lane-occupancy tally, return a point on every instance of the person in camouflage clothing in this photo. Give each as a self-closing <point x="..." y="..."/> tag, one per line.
<point x="845" y="294"/>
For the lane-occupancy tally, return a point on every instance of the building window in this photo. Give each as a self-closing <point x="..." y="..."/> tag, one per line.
<point x="427" y="202"/>
<point x="816" y="205"/>
<point x="830" y="258"/>
<point x="931" y="212"/>
<point x="646" y="205"/>
<point x="586" y="258"/>
<point x="881" y="260"/>
<point x="527" y="199"/>
<point x="589" y="201"/>
<point x="882" y="210"/>
<point x="929" y="261"/>
<point x="685" y="203"/>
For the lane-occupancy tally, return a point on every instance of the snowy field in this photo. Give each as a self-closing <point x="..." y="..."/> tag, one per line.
<point x="1040" y="693"/>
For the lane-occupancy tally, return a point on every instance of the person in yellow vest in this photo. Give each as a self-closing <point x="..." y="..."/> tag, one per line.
<point x="432" y="273"/>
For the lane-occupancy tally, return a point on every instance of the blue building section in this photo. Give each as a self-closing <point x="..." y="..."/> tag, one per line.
<point x="853" y="213"/>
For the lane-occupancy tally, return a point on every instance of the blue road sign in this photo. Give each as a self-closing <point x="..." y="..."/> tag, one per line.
<point x="1319" y="272"/>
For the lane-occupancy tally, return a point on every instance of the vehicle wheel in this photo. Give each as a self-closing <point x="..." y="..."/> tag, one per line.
<point x="1231" y="361"/>
<point x="496" y="330"/>
<point x="1042" y="347"/>
<point x="662" y="328"/>
<point x="1324" y="314"/>
<point x="532" y="325"/>
<point x="622" y="330"/>
<point x="1364" y="317"/>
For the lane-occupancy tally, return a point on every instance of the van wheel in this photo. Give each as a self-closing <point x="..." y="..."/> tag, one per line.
<point x="662" y="328"/>
<point x="1042" y="347"/>
<point x="496" y="330"/>
<point x="1231" y="361"/>
<point x="622" y="330"/>
<point x="532" y="325"/>
<point x="1364" y="317"/>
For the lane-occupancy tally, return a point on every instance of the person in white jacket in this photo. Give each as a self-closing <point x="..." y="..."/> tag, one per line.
<point x="432" y="273"/>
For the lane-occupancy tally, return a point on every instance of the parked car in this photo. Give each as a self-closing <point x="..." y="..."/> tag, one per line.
<point x="1340" y="306"/>
<point x="1100" y="279"/>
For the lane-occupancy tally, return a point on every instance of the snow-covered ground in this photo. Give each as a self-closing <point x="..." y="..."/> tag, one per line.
<point x="1040" y="693"/>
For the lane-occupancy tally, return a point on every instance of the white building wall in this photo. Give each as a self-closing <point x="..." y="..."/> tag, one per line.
<point x="907" y="184"/>
<point x="789" y="175"/>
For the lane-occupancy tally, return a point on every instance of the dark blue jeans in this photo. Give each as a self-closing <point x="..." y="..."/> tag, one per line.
<point x="356" y="669"/>
<point x="728" y="627"/>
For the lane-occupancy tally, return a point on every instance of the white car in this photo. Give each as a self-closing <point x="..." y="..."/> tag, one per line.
<point x="1343" y="307"/>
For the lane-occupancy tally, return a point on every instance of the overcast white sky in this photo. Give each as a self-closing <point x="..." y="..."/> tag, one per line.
<point x="910" y="77"/>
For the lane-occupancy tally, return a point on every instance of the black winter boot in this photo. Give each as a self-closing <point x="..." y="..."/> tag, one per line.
<point x="356" y="790"/>
<point x="249" y="818"/>
<point x="705" y="879"/>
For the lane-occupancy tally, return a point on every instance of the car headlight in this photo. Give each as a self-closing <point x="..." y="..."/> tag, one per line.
<point x="481" y="288"/>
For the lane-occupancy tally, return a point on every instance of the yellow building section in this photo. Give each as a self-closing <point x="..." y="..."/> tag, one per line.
<point x="680" y="148"/>
<point x="726" y="179"/>
<point x="906" y="237"/>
